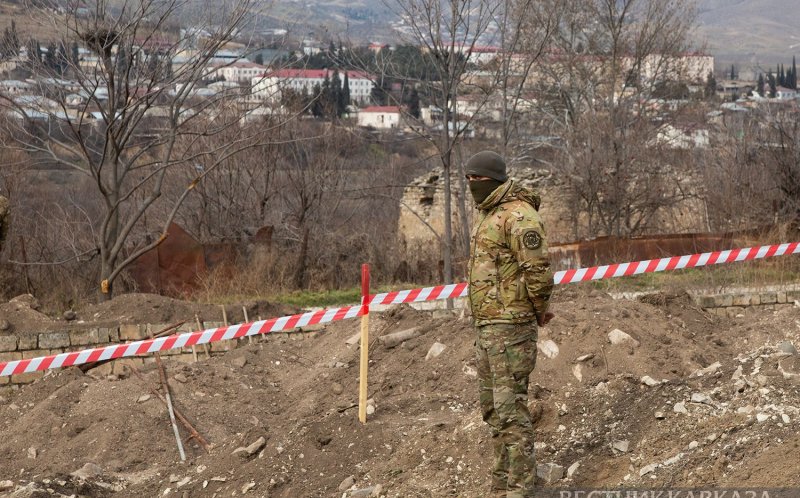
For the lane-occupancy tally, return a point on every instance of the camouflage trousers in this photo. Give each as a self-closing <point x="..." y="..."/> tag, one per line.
<point x="506" y="356"/>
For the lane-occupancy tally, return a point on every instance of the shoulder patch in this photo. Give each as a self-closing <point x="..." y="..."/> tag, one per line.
<point x="532" y="239"/>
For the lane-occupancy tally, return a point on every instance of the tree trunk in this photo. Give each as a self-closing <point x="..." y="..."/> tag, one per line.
<point x="300" y="274"/>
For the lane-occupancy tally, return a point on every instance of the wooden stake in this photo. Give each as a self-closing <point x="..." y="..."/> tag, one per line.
<point x="200" y="327"/>
<point x="364" y="366"/>
<point x="247" y="320"/>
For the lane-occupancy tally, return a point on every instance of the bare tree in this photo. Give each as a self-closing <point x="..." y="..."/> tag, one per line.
<point x="130" y="110"/>
<point x="597" y="89"/>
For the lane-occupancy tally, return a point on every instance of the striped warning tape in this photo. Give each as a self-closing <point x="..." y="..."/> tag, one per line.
<point x="398" y="297"/>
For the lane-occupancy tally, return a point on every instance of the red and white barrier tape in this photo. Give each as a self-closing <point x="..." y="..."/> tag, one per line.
<point x="398" y="297"/>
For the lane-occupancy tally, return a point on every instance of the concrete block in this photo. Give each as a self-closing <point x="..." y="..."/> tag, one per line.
<point x="26" y="378"/>
<point x="782" y="297"/>
<point x="723" y="300"/>
<point x="10" y="356"/>
<point x="52" y="340"/>
<point x="741" y="300"/>
<point x="792" y="296"/>
<point x="28" y="341"/>
<point x="222" y="345"/>
<point x="80" y="338"/>
<point x="733" y="311"/>
<point x="8" y="342"/>
<point x="35" y="353"/>
<point x="98" y="336"/>
<point x="755" y="300"/>
<point x="130" y="332"/>
<point x="705" y="301"/>
<point x="5" y="380"/>
<point x="186" y="358"/>
<point x="113" y="334"/>
<point x="769" y="297"/>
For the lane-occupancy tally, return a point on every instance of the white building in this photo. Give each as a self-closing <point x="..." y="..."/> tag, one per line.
<point x="15" y="87"/>
<point x="239" y="71"/>
<point x="380" y="117"/>
<point x="269" y="86"/>
<point x="782" y="93"/>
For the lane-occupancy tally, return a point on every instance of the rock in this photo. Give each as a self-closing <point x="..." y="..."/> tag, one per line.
<point x="364" y="492"/>
<point x="647" y="469"/>
<point x="649" y="381"/>
<point x="6" y="485"/>
<point x="740" y="385"/>
<point x="69" y="315"/>
<point x="673" y="460"/>
<point x="239" y="361"/>
<point x="337" y="388"/>
<point x="693" y="445"/>
<point x="548" y="348"/>
<point x="436" y="349"/>
<point x="660" y="415"/>
<point x="617" y="336"/>
<point x="577" y="372"/>
<point x="745" y="410"/>
<point x="737" y="374"/>
<point x="347" y="483"/>
<point x="680" y="408"/>
<point x="621" y="446"/>
<point x="26" y="300"/>
<point x="586" y="357"/>
<point x="88" y="470"/>
<point x="550" y="472"/>
<point x="183" y="482"/>
<point x="247" y="487"/>
<point x="470" y="371"/>
<point x="762" y="417"/>
<point x="787" y="348"/>
<point x="5" y="325"/>
<point x="707" y="370"/>
<point x="32" y="452"/>
<point x="371" y="406"/>
<point x="701" y="398"/>
<point x="248" y="451"/>
<point x="353" y="339"/>
<point x="785" y="418"/>
<point x="180" y="378"/>
<point x="573" y="468"/>
<point x="143" y="398"/>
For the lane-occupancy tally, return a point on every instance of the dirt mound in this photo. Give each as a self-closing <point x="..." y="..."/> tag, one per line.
<point x="22" y="315"/>
<point x="680" y="398"/>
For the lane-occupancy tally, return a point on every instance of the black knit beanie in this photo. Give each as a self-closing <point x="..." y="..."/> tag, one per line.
<point x="487" y="163"/>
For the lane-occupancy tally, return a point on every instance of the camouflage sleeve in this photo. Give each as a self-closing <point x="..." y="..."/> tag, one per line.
<point x="528" y="242"/>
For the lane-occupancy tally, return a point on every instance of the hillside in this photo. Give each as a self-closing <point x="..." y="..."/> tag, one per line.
<point x="750" y="31"/>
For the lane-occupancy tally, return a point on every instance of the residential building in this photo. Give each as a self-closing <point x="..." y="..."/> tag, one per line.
<point x="239" y="71"/>
<point x="380" y="117"/>
<point x="783" y="93"/>
<point x="14" y="87"/>
<point x="270" y="86"/>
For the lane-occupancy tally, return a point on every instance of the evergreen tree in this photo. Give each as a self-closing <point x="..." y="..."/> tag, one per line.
<point x="76" y="54"/>
<point x="50" y="58"/>
<point x="773" y="87"/>
<point x="14" y="38"/>
<point x="711" y="86"/>
<point x="413" y="103"/>
<point x="259" y="59"/>
<point x="760" y="85"/>
<point x="733" y="72"/>
<point x="317" y="106"/>
<point x="781" y="76"/>
<point x="794" y="73"/>
<point x="346" y="91"/>
<point x="62" y="62"/>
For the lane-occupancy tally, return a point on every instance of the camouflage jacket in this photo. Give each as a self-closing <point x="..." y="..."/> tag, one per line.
<point x="510" y="280"/>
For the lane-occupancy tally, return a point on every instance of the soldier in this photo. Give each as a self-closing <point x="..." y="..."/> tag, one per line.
<point x="510" y="282"/>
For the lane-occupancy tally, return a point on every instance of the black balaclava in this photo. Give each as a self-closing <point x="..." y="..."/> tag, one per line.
<point x="482" y="188"/>
<point x="489" y="164"/>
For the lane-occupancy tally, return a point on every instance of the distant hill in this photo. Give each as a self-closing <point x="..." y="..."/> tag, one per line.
<point x="751" y="31"/>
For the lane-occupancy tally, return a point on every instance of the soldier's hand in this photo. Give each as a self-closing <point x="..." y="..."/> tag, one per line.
<point x="545" y="319"/>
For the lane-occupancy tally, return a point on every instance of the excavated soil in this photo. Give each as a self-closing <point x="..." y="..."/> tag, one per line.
<point x="23" y="316"/>
<point x="687" y="399"/>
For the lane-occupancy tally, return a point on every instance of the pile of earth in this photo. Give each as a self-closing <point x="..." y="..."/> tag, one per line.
<point x="22" y="314"/>
<point x="650" y="393"/>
